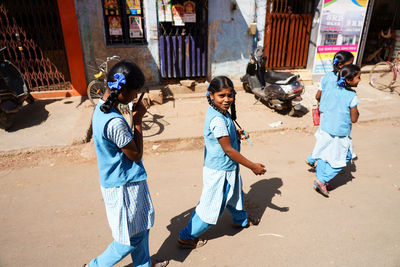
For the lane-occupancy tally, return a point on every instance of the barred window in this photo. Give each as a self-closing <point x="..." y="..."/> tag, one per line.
<point x="124" y="22"/>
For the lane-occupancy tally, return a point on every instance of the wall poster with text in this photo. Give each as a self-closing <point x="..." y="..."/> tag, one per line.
<point x="135" y="27"/>
<point x="340" y="29"/>
<point x="164" y="10"/>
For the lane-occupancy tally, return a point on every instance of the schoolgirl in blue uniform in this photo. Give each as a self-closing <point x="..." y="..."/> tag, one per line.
<point x="341" y="59"/>
<point x="222" y="184"/>
<point x="123" y="182"/>
<point x="334" y="146"/>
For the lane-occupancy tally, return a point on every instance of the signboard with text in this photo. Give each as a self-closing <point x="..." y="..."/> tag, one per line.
<point x="340" y="29"/>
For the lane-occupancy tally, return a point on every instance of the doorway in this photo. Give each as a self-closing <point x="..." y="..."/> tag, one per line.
<point x="287" y="33"/>
<point x="182" y="38"/>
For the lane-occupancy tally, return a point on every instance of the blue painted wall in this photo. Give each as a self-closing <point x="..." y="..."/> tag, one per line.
<point x="230" y="43"/>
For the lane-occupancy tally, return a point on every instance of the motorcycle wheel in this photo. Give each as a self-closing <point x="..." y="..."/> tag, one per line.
<point x="6" y="120"/>
<point x="246" y="87"/>
<point x="30" y="99"/>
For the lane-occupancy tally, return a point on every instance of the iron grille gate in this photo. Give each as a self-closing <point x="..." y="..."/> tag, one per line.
<point x="287" y="33"/>
<point x="42" y="60"/>
<point x="183" y="49"/>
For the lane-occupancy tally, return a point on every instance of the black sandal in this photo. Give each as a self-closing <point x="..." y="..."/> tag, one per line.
<point x="192" y="243"/>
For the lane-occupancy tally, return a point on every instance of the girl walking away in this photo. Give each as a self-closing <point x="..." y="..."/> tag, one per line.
<point x="341" y="59"/>
<point x="222" y="184"/>
<point x="123" y="183"/>
<point x="334" y="146"/>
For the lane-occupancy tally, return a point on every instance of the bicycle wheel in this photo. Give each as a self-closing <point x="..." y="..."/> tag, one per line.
<point x="382" y="76"/>
<point x="95" y="90"/>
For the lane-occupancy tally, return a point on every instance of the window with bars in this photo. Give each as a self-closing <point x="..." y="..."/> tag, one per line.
<point x="124" y="22"/>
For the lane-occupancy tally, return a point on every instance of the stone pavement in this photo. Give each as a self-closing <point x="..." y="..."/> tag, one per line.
<point x="65" y="121"/>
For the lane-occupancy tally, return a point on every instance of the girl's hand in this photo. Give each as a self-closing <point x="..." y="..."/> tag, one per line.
<point x="138" y="112"/>
<point x="258" y="169"/>
<point x="241" y="134"/>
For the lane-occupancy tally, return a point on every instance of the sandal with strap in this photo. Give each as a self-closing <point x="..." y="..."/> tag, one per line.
<point x="161" y="264"/>
<point x="192" y="243"/>
<point x="251" y="221"/>
<point x="311" y="165"/>
<point x="321" y="189"/>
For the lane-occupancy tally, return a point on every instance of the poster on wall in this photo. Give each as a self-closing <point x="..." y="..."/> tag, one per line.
<point x="114" y="25"/>
<point x="164" y="10"/>
<point x="190" y="12"/>
<point x="340" y="29"/>
<point x="133" y="7"/>
<point x="178" y="12"/>
<point x="135" y="27"/>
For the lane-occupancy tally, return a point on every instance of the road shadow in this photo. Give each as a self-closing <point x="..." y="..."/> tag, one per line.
<point x="257" y="200"/>
<point x="344" y="176"/>
<point x="153" y="124"/>
<point x="31" y="114"/>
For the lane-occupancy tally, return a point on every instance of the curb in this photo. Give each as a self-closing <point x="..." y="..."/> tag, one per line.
<point x="190" y="142"/>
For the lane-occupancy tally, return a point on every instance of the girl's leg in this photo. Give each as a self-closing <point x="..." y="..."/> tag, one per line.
<point x="325" y="172"/>
<point x="194" y="228"/>
<point x="140" y="254"/>
<point x="115" y="252"/>
<point x="311" y="161"/>
<point x="239" y="216"/>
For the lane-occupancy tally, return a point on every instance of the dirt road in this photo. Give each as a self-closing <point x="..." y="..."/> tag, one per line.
<point x="52" y="212"/>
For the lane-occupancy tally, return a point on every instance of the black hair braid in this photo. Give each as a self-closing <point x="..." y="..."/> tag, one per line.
<point x="233" y="109"/>
<point x="106" y="107"/>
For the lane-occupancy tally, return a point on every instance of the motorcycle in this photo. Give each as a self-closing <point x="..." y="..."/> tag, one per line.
<point x="280" y="91"/>
<point x="13" y="92"/>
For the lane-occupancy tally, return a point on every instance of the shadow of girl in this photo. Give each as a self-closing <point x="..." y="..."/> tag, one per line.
<point x="257" y="200"/>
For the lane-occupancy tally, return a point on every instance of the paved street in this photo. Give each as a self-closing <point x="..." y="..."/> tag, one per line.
<point x="53" y="214"/>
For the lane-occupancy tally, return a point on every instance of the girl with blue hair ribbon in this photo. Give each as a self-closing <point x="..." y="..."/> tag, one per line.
<point x="334" y="146"/>
<point x="123" y="184"/>
<point x="222" y="183"/>
<point x="329" y="80"/>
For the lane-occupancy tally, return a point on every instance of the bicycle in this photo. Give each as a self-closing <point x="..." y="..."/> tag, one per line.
<point x="97" y="88"/>
<point x="384" y="74"/>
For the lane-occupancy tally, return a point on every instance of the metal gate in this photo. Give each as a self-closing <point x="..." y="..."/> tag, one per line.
<point x="287" y="33"/>
<point x="42" y="59"/>
<point x="183" y="48"/>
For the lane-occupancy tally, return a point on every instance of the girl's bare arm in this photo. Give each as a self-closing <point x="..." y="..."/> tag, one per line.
<point x="354" y="114"/>
<point x="134" y="149"/>
<point x="225" y="143"/>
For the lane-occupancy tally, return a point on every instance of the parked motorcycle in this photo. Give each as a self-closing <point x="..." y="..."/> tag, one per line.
<point x="278" y="90"/>
<point x="13" y="92"/>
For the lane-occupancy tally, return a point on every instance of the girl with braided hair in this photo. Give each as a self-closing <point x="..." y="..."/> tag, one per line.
<point x="123" y="178"/>
<point x="222" y="184"/>
<point x="334" y="146"/>
<point x="341" y="59"/>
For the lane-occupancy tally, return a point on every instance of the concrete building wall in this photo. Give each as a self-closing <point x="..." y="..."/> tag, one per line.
<point x="229" y="41"/>
<point x="95" y="51"/>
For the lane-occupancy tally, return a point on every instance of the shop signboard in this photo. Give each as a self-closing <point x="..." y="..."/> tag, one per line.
<point x="340" y="29"/>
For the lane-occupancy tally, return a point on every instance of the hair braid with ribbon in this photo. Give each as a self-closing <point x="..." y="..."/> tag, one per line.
<point x="115" y="88"/>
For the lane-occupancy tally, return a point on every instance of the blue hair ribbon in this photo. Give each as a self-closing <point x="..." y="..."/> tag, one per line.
<point x="342" y="82"/>
<point x="117" y="84"/>
<point x="335" y="61"/>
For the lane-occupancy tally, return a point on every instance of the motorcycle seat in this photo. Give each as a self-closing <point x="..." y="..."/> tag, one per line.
<point x="279" y="77"/>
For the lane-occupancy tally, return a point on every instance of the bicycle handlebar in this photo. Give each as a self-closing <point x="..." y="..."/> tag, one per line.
<point x="113" y="57"/>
